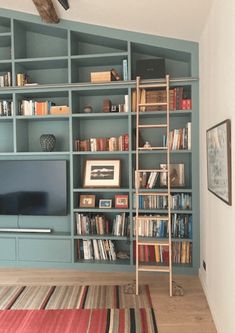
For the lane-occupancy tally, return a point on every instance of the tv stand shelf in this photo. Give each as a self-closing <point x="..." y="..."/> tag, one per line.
<point x="59" y="61"/>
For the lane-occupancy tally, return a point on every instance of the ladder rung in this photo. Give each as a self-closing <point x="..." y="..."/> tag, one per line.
<point x="148" y="268"/>
<point x="152" y="104"/>
<point x="153" y="126"/>
<point x="155" y="242"/>
<point x="152" y="170"/>
<point x="152" y="148"/>
<point x="165" y="194"/>
<point x="159" y="85"/>
<point x="153" y="217"/>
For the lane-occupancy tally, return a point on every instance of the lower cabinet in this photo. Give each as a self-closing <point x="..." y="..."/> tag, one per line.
<point x="46" y="250"/>
<point x="7" y="249"/>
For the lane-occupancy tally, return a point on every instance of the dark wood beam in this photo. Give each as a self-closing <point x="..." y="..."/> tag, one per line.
<point x="64" y="3"/>
<point x="46" y="11"/>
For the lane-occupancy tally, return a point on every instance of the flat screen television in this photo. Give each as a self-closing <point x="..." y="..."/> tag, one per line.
<point x="33" y="187"/>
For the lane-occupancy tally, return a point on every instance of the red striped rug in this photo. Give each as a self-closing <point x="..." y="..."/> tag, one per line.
<point x="78" y="321"/>
<point x="73" y="297"/>
<point x="71" y="309"/>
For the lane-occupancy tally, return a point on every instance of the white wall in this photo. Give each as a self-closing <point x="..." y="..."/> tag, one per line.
<point x="217" y="89"/>
<point x="182" y="19"/>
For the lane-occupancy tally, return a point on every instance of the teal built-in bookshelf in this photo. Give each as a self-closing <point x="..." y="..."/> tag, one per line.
<point x="60" y="58"/>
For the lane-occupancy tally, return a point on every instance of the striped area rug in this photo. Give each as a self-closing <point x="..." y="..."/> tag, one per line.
<point x="78" y="321"/>
<point x="76" y="309"/>
<point x="72" y="297"/>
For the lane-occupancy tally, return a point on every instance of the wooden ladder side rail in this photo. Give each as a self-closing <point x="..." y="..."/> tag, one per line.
<point x="168" y="178"/>
<point x="138" y="105"/>
<point x="137" y="183"/>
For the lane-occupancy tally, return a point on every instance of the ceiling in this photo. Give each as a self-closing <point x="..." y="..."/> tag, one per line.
<point x="182" y="19"/>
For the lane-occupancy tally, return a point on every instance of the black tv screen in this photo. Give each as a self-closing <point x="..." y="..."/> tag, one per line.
<point x="33" y="187"/>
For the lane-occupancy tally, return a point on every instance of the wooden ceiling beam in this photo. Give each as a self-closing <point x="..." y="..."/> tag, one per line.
<point x="46" y="11"/>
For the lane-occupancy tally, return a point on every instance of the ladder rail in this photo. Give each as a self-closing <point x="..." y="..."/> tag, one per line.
<point x="137" y="182"/>
<point x="138" y="218"/>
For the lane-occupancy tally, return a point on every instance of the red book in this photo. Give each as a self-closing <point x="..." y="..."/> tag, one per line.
<point x="151" y="253"/>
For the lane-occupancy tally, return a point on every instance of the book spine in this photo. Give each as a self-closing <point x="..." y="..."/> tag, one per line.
<point x="125" y="69"/>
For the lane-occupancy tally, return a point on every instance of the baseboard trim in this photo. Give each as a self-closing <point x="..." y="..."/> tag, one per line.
<point x="210" y="303"/>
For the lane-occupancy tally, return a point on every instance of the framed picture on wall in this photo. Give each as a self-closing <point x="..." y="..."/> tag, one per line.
<point x="219" y="177"/>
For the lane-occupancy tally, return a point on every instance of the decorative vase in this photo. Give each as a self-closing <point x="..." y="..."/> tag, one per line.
<point x="47" y="142"/>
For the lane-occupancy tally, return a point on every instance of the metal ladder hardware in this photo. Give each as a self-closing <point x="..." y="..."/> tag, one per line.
<point x="163" y="244"/>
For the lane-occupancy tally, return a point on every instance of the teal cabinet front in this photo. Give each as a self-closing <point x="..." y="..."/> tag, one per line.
<point x="52" y="250"/>
<point x="7" y="249"/>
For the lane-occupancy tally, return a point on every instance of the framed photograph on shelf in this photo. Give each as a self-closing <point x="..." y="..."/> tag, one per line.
<point x="219" y="175"/>
<point x="87" y="201"/>
<point x="121" y="201"/>
<point x="177" y="178"/>
<point x="105" y="203"/>
<point x="102" y="173"/>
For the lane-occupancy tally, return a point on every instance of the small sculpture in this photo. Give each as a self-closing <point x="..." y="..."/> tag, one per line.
<point x="147" y="145"/>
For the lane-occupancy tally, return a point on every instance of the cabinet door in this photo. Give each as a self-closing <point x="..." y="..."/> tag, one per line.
<point x="7" y="249"/>
<point x="54" y="250"/>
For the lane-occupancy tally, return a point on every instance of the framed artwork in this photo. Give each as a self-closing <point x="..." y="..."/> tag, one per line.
<point x="177" y="176"/>
<point x="121" y="201"/>
<point x="102" y="173"/>
<point x="87" y="201"/>
<point x="105" y="203"/>
<point x="219" y="177"/>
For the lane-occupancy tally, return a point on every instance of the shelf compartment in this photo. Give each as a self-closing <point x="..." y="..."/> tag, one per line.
<point x="101" y="129"/>
<point x="57" y="97"/>
<point x="5" y="25"/>
<point x="79" y="167"/>
<point x="37" y="40"/>
<point x="6" y="136"/>
<point x="151" y="162"/>
<point x="155" y="136"/>
<point x="83" y="43"/>
<point x="45" y="70"/>
<point x="82" y="67"/>
<point x="119" y="246"/>
<point x="28" y="132"/>
<point x="100" y="195"/>
<point x="95" y="99"/>
<point x="5" y="47"/>
<point x="177" y="63"/>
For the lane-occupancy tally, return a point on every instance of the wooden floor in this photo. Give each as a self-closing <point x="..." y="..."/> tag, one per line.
<point x="179" y="314"/>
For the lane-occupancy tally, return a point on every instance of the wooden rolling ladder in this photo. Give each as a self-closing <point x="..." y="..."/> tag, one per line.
<point x="166" y="217"/>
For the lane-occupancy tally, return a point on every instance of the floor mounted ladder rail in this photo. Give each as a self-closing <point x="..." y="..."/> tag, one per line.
<point x="167" y="217"/>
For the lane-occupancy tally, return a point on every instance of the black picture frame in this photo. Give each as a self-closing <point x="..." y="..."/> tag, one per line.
<point x="219" y="171"/>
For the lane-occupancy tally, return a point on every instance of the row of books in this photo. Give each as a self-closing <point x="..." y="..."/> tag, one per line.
<point x="181" y="227"/>
<point x="100" y="225"/>
<point x="6" y="108"/>
<point x="149" y="179"/>
<point x="177" y="201"/>
<point x="96" y="249"/>
<point x="178" y="100"/>
<point x="179" y="138"/>
<point x="32" y="107"/>
<point x="5" y="80"/>
<point x="181" y="253"/>
<point x="120" y="143"/>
